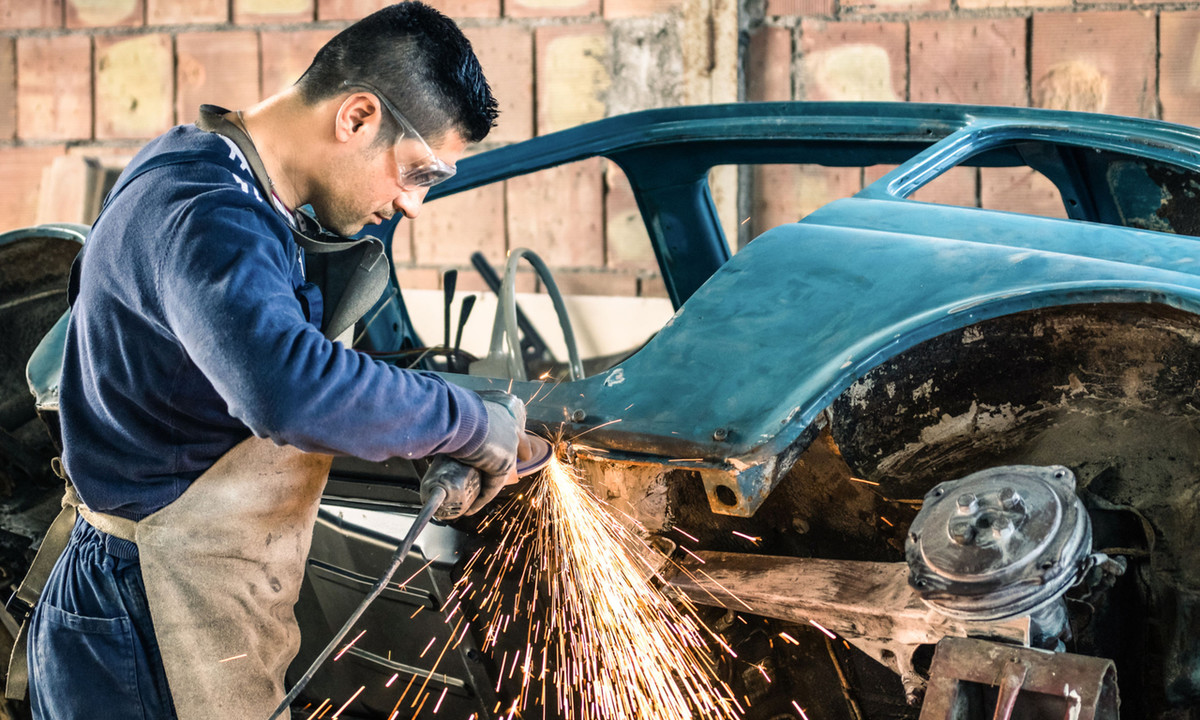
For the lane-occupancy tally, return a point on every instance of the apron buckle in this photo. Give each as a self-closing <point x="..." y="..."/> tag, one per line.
<point x="18" y="608"/>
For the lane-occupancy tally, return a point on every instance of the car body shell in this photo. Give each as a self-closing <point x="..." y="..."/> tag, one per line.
<point x="810" y="307"/>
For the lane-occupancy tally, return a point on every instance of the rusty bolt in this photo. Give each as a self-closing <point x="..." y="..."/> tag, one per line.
<point x="967" y="503"/>
<point x="579" y="415"/>
<point x="800" y="525"/>
<point x="962" y="532"/>
<point x="720" y="434"/>
<point x="1011" y="500"/>
<point x="1001" y="526"/>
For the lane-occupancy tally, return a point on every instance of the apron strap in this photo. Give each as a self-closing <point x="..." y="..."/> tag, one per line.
<point x="30" y="590"/>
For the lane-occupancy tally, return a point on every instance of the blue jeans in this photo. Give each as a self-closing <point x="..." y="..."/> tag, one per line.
<point x="92" y="650"/>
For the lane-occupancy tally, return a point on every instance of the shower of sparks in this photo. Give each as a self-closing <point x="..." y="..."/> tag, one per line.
<point x="347" y="704"/>
<point x="821" y="627"/>
<point x="601" y="642"/>
<point x="864" y="482"/>
<point x="348" y="646"/>
<point x="235" y="657"/>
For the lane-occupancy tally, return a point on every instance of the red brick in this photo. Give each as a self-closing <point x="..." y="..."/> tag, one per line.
<point x="8" y="88"/>
<point x="347" y="9"/>
<point x="785" y="193"/>
<point x="411" y="278"/>
<point x="134" y="86"/>
<point x="286" y="55"/>
<point x="104" y="13"/>
<point x="550" y="8"/>
<point x="1095" y="61"/>
<point x="54" y="87"/>
<point x="355" y="9"/>
<point x="31" y="14"/>
<point x="1020" y="190"/>
<point x="853" y="61"/>
<point x="186" y="12"/>
<point x="986" y="4"/>
<point x="596" y="283"/>
<point x="116" y="156"/>
<point x="819" y="8"/>
<point x="1179" y="75"/>
<point x="769" y="65"/>
<point x="573" y="75"/>
<point x="978" y="62"/>
<point x="64" y="195"/>
<point x="23" y="168"/>
<point x="468" y="8"/>
<point x="558" y="214"/>
<point x="448" y="230"/>
<point x="628" y="242"/>
<point x="402" y="242"/>
<point x="615" y="9"/>
<point x="652" y="286"/>
<point x="215" y="67"/>
<point x="956" y="186"/>
<point x="850" y="7"/>
<point x="470" y="281"/>
<point x="272" y="11"/>
<point x="506" y="54"/>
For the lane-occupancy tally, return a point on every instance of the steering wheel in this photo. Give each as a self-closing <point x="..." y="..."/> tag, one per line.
<point x="504" y="353"/>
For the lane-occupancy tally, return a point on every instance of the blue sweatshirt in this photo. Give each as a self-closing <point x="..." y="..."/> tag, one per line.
<point x="187" y="337"/>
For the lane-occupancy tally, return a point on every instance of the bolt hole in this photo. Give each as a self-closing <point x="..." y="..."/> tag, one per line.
<point x="938" y="492"/>
<point x="984" y="523"/>
<point x="726" y="496"/>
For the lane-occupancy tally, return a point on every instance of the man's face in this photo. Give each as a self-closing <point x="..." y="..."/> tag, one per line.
<point x="367" y="186"/>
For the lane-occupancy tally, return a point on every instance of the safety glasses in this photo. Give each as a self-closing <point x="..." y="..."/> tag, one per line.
<point x="427" y="171"/>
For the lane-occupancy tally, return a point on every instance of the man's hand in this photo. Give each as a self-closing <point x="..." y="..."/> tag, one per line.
<point x="505" y="443"/>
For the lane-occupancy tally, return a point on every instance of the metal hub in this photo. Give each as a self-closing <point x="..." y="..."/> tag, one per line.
<point x="999" y="543"/>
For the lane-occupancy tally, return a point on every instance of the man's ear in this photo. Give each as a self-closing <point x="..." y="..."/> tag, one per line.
<point x="358" y="113"/>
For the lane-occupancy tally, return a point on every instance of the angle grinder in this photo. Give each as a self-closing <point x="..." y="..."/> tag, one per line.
<point x="449" y="488"/>
<point x="462" y="482"/>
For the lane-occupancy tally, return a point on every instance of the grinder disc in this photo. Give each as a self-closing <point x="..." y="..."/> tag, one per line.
<point x="541" y="455"/>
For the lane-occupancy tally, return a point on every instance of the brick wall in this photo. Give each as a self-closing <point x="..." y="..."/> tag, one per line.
<point x="82" y="79"/>
<point x="1126" y="58"/>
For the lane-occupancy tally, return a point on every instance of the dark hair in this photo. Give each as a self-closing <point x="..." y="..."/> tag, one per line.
<point x="417" y="57"/>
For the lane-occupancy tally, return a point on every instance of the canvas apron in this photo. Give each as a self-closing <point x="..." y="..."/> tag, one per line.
<point x="223" y="563"/>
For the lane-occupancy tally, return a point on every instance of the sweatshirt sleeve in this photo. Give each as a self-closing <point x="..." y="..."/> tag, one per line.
<point x="224" y="283"/>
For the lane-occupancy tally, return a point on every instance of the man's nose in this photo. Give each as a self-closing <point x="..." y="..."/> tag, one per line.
<point x="409" y="201"/>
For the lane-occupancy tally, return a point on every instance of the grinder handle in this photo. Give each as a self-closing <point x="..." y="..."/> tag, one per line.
<point x="461" y="483"/>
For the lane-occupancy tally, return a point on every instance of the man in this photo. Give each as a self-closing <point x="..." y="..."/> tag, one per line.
<point x="200" y="400"/>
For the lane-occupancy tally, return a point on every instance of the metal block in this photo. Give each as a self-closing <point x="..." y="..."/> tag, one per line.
<point x="971" y="679"/>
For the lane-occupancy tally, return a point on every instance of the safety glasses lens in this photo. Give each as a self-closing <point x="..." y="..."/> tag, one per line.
<point x="428" y="174"/>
